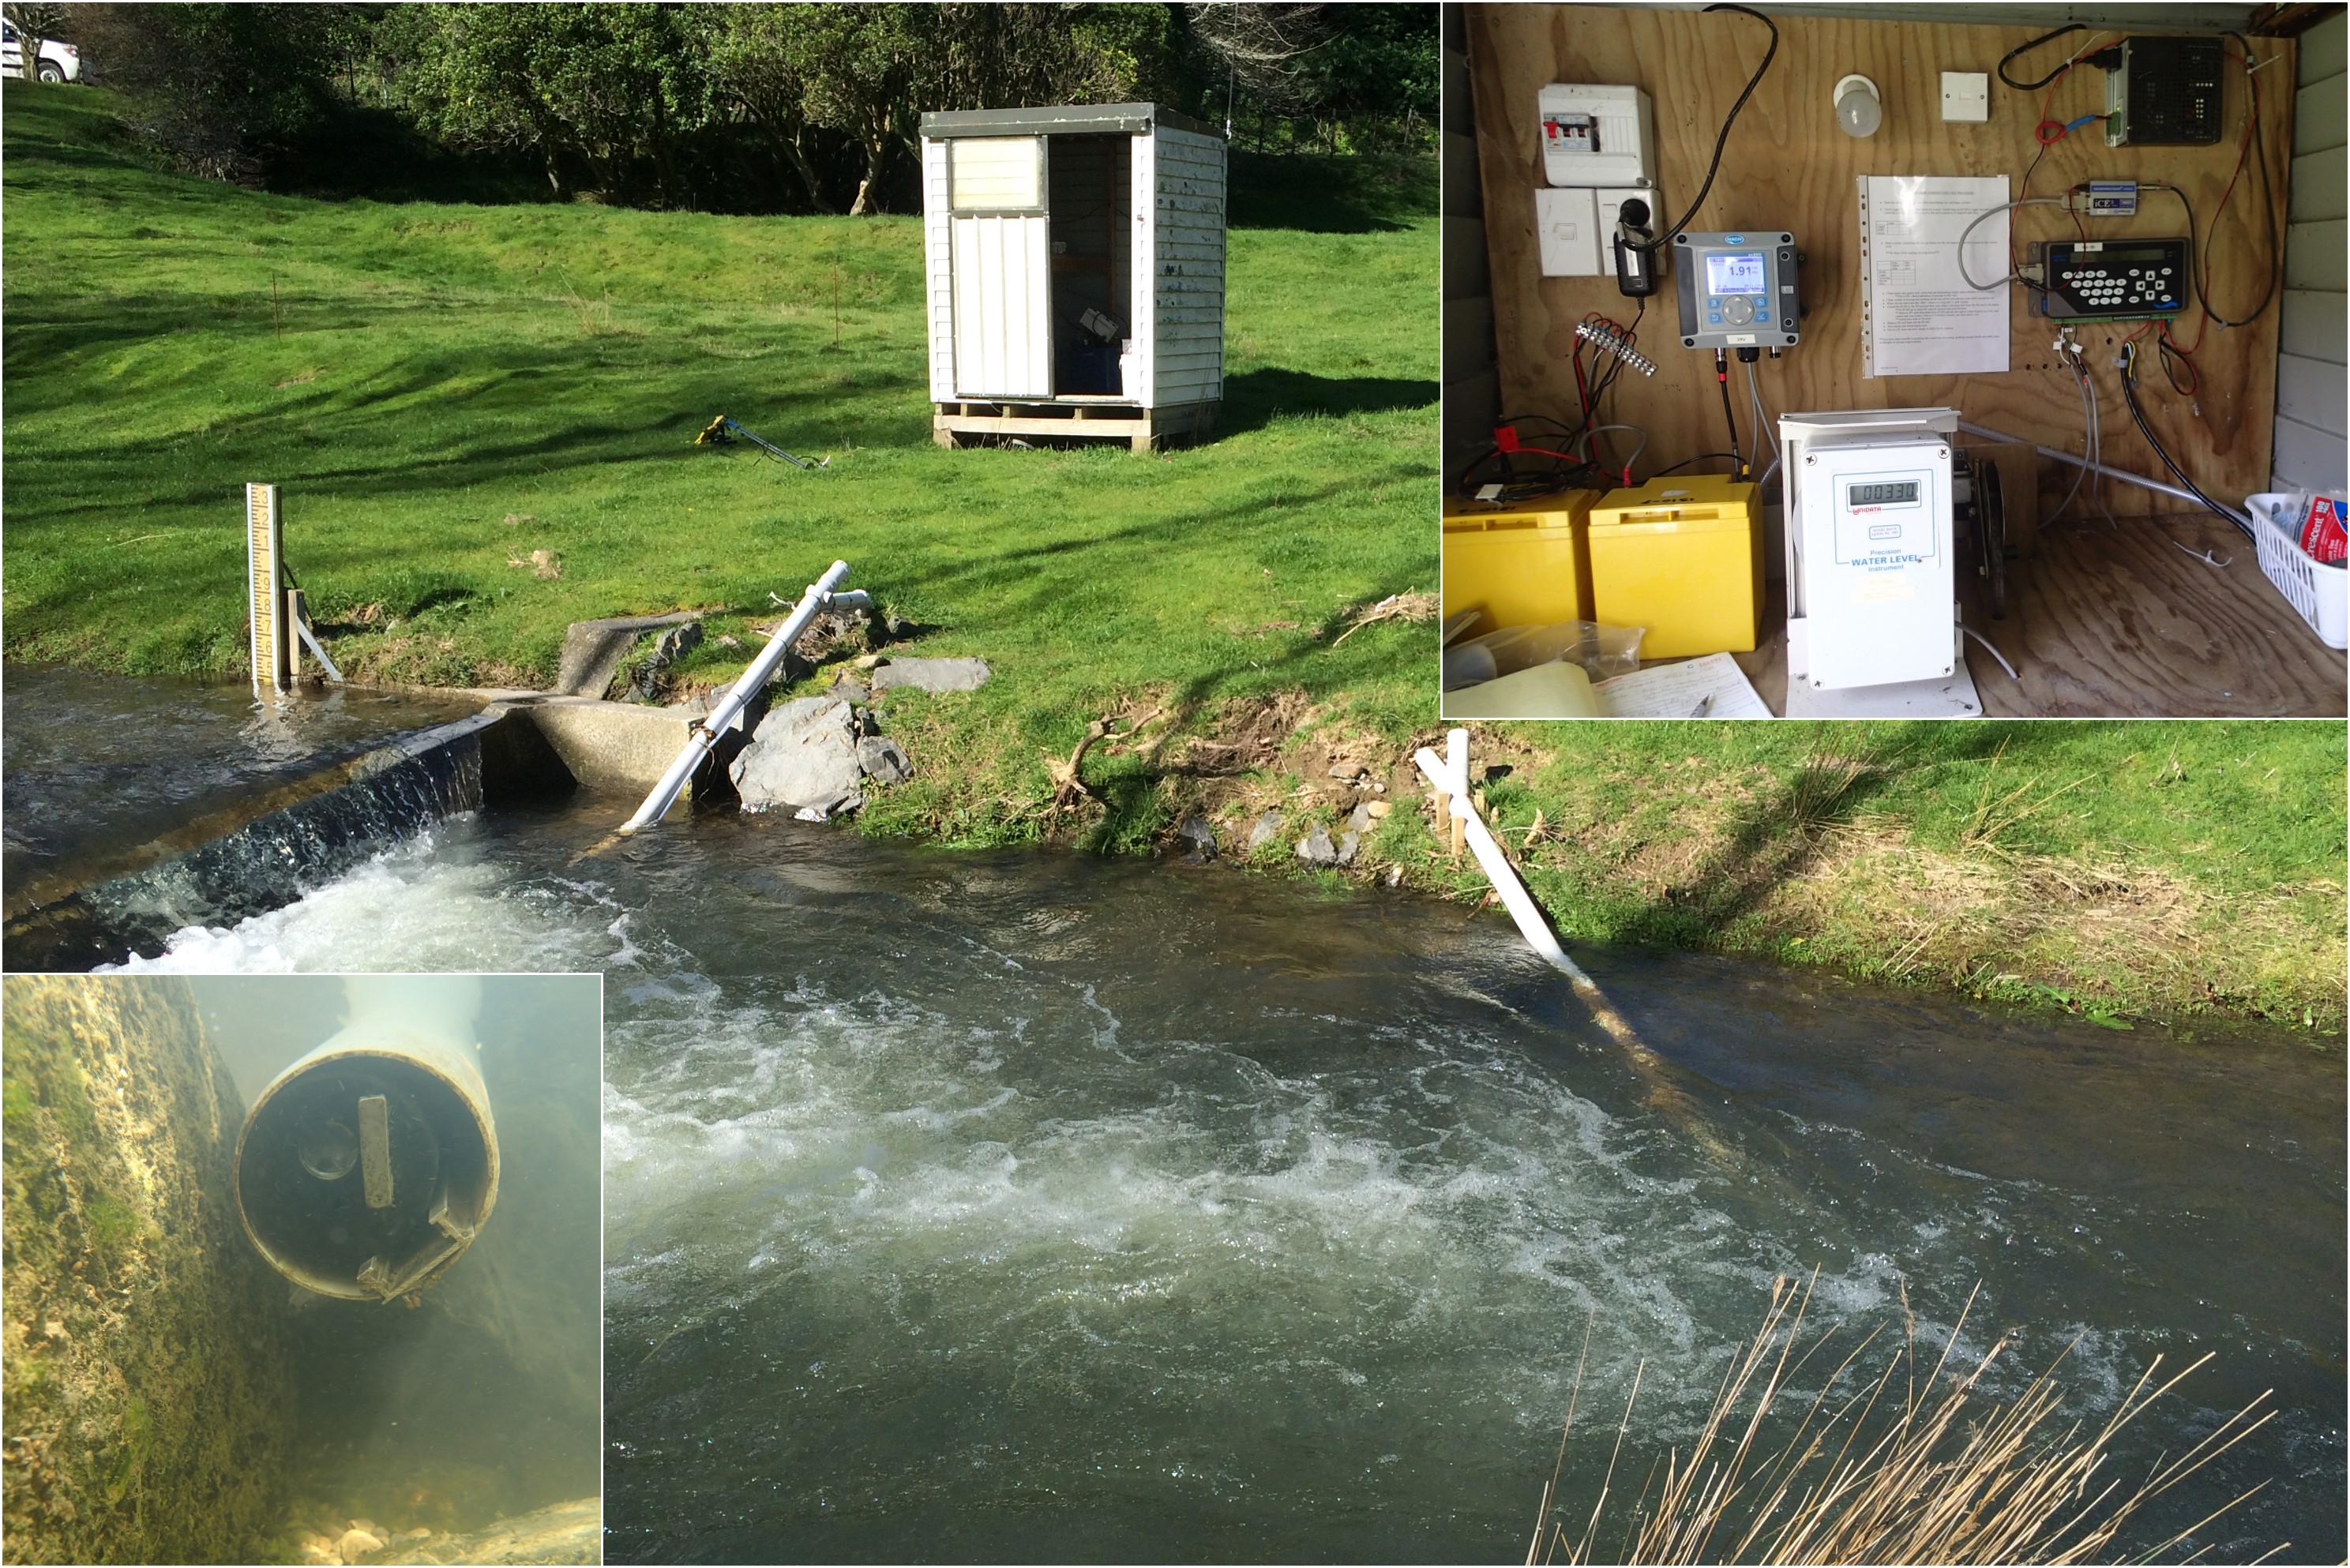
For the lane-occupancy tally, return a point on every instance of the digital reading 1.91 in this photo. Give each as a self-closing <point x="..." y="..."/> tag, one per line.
<point x="1738" y="272"/>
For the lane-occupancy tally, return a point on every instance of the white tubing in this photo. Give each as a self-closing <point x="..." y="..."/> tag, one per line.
<point x="763" y="669"/>
<point x="1452" y="780"/>
<point x="2061" y="456"/>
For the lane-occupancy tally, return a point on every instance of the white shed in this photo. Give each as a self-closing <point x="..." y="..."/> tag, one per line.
<point x="1074" y="259"/>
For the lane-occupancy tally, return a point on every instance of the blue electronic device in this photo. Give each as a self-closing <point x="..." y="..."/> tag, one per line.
<point x="1737" y="290"/>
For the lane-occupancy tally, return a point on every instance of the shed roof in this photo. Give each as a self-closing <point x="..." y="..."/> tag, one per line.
<point x="1072" y="119"/>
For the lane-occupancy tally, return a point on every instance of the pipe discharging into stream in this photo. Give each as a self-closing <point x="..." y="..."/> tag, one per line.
<point x="366" y="1168"/>
<point x="821" y="594"/>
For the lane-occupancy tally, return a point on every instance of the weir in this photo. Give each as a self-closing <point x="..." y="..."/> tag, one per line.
<point x="267" y="847"/>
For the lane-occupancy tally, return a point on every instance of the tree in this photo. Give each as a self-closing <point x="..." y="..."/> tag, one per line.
<point x="610" y="87"/>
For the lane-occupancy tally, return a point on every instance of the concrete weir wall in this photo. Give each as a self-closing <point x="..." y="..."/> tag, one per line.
<point x="262" y="853"/>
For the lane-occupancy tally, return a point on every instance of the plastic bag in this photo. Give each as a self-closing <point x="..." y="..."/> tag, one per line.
<point x="1601" y="650"/>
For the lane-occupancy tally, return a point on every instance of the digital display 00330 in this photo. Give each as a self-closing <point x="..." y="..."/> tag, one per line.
<point x="1904" y="493"/>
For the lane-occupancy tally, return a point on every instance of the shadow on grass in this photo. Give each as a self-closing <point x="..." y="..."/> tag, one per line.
<point x="1330" y="196"/>
<point x="1255" y="399"/>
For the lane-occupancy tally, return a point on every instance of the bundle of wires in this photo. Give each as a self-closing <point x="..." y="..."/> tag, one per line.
<point x="1568" y="458"/>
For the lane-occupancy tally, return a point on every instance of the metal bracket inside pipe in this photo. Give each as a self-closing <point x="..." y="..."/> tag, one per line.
<point x="2063" y="456"/>
<point x="819" y="594"/>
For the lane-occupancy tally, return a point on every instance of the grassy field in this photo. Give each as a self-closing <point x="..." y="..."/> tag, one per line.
<point x="445" y="390"/>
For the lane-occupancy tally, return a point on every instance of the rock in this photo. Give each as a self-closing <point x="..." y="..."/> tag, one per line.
<point x="867" y="661"/>
<point x="356" y="1545"/>
<point x="674" y="644"/>
<point x="803" y="757"/>
<point x="1347" y="845"/>
<point x="1315" y="849"/>
<point x="1267" y="829"/>
<point x="884" y="759"/>
<point x="1199" y="834"/>
<point x="850" y="688"/>
<point x="1360" y="822"/>
<point x="932" y="674"/>
<point x="1377" y="808"/>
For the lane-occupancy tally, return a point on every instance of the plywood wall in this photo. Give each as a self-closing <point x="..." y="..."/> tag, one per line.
<point x="1789" y="167"/>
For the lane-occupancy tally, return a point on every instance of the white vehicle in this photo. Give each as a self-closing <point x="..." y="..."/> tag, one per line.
<point x="59" y="62"/>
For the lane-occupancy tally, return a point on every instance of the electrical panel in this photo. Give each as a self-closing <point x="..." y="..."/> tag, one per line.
<point x="1737" y="290"/>
<point x="2164" y="92"/>
<point x="2110" y="280"/>
<point x="1575" y="229"/>
<point x="1597" y="136"/>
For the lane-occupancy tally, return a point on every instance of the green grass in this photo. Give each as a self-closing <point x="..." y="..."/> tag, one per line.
<point x="425" y="372"/>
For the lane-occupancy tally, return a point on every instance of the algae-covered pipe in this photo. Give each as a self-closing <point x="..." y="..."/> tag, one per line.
<point x="366" y="1168"/>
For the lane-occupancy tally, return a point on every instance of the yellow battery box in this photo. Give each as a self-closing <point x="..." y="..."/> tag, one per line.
<point x="1524" y="563"/>
<point x="1683" y="558"/>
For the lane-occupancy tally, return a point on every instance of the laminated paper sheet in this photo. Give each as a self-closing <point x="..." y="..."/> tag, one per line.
<point x="1918" y="316"/>
<point x="1708" y="688"/>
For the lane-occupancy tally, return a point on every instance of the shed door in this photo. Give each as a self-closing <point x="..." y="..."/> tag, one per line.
<point x="1003" y="258"/>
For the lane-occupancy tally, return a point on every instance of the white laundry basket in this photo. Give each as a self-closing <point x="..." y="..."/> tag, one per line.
<point x="2316" y="589"/>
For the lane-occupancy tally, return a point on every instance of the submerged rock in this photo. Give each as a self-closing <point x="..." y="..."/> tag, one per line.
<point x="802" y="758"/>
<point x="932" y="674"/>
<point x="356" y="1545"/>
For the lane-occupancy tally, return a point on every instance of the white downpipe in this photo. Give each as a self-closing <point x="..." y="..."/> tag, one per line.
<point x="819" y="594"/>
<point x="1449" y="777"/>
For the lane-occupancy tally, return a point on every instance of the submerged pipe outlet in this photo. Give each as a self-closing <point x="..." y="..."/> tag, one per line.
<point x="366" y="1168"/>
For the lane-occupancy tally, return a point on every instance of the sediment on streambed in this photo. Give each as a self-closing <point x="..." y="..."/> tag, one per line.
<point x="145" y="1392"/>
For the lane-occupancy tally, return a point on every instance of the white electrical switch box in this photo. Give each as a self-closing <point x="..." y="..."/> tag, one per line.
<point x="1966" y="95"/>
<point x="1878" y="583"/>
<point x="1595" y="136"/>
<point x="1566" y="228"/>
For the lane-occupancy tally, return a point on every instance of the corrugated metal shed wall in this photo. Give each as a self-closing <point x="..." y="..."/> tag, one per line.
<point x="1187" y="357"/>
<point x="1473" y="387"/>
<point x="2309" y="424"/>
<point x="937" y="270"/>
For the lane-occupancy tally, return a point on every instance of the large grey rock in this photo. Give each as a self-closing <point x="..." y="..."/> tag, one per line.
<point x="1347" y="845"/>
<point x="1315" y="849"/>
<point x="803" y="757"/>
<point x="593" y="649"/>
<point x="884" y="759"/>
<point x="1199" y="834"/>
<point x="1360" y="821"/>
<point x="932" y="674"/>
<point x="1267" y="829"/>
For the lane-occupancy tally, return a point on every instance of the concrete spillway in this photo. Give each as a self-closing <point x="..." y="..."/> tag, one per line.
<point x="264" y="850"/>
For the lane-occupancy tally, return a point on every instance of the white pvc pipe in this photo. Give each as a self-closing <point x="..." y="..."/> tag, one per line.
<point x="2063" y="456"/>
<point x="705" y="735"/>
<point x="1450" y="779"/>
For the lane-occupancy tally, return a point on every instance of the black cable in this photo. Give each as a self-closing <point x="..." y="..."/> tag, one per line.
<point x="1721" y="380"/>
<point x="2022" y="49"/>
<point x="1700" y="457"/>
<point x="2268" y="198"/>
<point x="1665" y="237"/>
<point x="2129" y="396"/>
<point x="2194" y="253"/>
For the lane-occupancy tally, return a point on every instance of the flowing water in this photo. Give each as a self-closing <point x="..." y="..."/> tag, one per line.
<point x="996" y="1205"/>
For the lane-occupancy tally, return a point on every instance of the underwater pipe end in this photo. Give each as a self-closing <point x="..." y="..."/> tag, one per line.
<point x="367" y="1169"/>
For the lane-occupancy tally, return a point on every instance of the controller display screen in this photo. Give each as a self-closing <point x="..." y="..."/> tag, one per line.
<point x="1734" y="273"/>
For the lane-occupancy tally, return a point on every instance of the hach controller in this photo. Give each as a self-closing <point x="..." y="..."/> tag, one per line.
<point x="1737" y="291"/>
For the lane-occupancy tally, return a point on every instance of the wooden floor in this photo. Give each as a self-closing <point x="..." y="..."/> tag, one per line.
<point x="2126" y="624"/>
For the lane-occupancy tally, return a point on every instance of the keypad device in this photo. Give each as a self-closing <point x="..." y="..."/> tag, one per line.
<point x="2113" y="278"/>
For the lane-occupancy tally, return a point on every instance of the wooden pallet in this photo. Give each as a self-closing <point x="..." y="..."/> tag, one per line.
<point x="959" y="423"/>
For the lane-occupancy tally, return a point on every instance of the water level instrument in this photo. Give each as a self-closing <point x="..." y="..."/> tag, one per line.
<point x="366" y="1168"/>
<point x="823" y="594"/>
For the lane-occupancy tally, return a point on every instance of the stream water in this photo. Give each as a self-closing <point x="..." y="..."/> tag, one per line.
<point x="996" y="1205"/>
